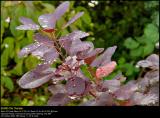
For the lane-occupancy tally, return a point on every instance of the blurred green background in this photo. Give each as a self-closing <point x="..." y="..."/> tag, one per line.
<point x="132" y="26"/>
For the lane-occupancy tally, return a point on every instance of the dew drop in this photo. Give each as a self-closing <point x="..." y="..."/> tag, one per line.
<point x="157" y="45"/>
<point x="8" y="19"/>
<point x="74" y="97"/>
<point x="109" y="91"/>
<point x="55" y="81"/>
<point x="27" y="49"/>
<point x="42" y="59"/>
<point x="38" y="57"/>
<point x="137" y="66"/>
<point x="6" y="45"/>
<point x="48" y="61"/>
<point x="45" y="63"/>
<point x="38" y="43"/>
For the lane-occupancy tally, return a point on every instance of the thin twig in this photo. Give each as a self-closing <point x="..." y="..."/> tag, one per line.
<point x="56" y="45"/>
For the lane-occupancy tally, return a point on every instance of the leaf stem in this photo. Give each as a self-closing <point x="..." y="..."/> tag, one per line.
<point x="57" y="45"/>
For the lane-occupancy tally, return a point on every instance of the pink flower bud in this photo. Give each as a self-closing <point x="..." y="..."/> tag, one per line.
<point x="106" y="69"/>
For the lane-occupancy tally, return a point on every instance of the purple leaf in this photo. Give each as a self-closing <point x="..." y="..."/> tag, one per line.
<point x="40" y="51"/>
<point x="75" y="48"/>
<point x="48" y="21"/>
<point x="51" y="55"/>
<point x="28" y="49"/>
<point x="80" y="74"/>
<point x="42" y="67"/>
<point x="94" y="52"/>
<point x="91" y="102"/>
<point x="26" y="21"/>
<point x="59" y="99"/>
<point x="89" y="55"/>
<point x="61" y="9"/>
<point x="143" y="83"/>
<point x="144" y="63"/>
<point x="154" y="89"/>
<point x="33" y="79"/>
<point x="153" y="58"/>
<point x="28" y="24"/>
<point x="144" y="99"/>
<point x="126" y="91"/>
<point x="112" y="85"/>
<point x="104" y="58"/>
<point x="72" y="38"/>
<point x="152" y="62"/>
<point x="153" y="76"/>
<point x="120" y="77"/>
<point x="75" y="86"/>
<point x="73" y="19"/>
<point x="105" y="99"/>
<point x="155" y="61"/>
<point x="54" y="89"/>
<point x="28" y="27"/>
<point x="43" y="39"/>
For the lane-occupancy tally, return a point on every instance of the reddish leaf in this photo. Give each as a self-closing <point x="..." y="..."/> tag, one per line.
<point x="105" y="70"/>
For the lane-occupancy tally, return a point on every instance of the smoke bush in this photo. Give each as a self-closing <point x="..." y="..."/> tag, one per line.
<point x="69" y="83"/>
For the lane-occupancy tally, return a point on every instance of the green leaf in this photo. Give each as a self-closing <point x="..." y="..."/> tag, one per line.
<point x="4" y="102"/>
<point x="136" y="52"/>
<point x="86" y="18"/>
<point x="84" y="69"/>
<point x="60" y="23"/>
<point x="48" y="7"/>
<point x="8" y="52"/>
<point x="24" y="42"/>
<point x="148" y="49"/>
<point x="151" y="32"/>
<point x="24" y="102"/>
<point x="30" y="36"/>
<point x="19" y="34"/>
<point x="40" y="100"/>
<point x="65" y="32"/>
<point x="131" y="43"/>
<point x="4" y="13"/>
<point x="31" y="62"/>
<point x="17" y="50"/>
<point x="155" y="18"/>
<point x="2" y="29"/>
<point x="2" y="91"/>
<point x="128" y="69"/>
<point x="8" y="83"/>
<point x="20" y="10"/>
<point x="111" y="76"/>
<point x="4" y="58"/>
<point x="17" y="70"/>
<point x="142" y="39"/>
<point x="10" y="42"/>
<point x="121" y="60"/>
<point x="16" y="101"/>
